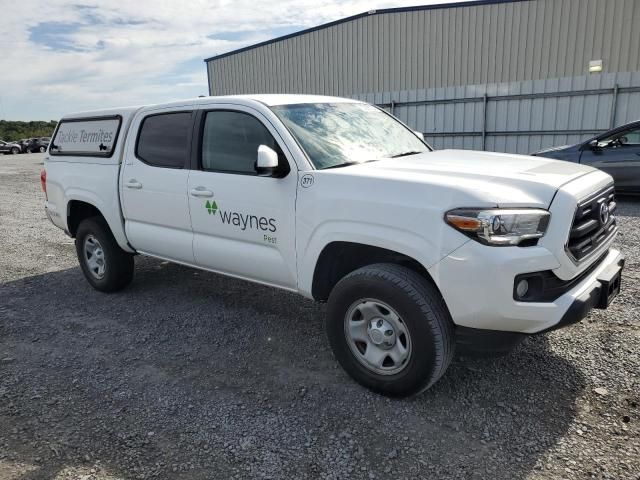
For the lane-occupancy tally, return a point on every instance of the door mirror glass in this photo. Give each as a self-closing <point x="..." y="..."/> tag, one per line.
<point x="594" y="145"/>
<point x="267" y="160"/>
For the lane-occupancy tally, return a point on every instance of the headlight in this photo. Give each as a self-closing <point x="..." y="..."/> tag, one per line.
<point x="499" y="226"/>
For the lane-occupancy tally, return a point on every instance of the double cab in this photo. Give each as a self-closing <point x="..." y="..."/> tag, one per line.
<point x="416" y="252"/>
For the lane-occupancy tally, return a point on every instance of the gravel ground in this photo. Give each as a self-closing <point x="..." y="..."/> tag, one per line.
<point x="189" y="375"/>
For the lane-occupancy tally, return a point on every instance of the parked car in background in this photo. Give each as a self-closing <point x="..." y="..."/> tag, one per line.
<point x="24" y="144"/>
<point x="39" y="144"/>
<point x="9" y="147"/>
<point x="617" y="152"/>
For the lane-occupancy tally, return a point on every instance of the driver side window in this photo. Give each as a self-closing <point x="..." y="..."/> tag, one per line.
<point x="628" y="137"/>
<point x="632" y="137"/>
<point x="230" y="142"/>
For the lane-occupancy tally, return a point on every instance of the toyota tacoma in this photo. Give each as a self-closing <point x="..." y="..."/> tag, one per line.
<point x="416" y="252"/>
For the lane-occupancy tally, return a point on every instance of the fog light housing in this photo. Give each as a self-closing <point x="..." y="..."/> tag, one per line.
<point x="528" y="287"/>
<point x="522" y="288"/>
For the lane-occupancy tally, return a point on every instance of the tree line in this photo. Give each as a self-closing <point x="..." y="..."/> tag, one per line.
<point x="13" y="130"/>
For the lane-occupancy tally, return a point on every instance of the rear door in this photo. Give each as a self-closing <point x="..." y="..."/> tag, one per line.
<point x="243" y="223"/>
<point x="153" y="184"/>
<point x="619" y="156"/>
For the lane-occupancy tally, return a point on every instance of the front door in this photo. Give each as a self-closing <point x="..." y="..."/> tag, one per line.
<point x="619" y="156"/>
<point x="154" y="185"/>
<point x="243" y="223"/>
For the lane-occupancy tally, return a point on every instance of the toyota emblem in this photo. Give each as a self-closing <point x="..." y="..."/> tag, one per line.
<point x="604" y="213"/>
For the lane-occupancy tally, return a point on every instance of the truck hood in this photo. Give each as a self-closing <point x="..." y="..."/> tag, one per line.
<point x="505" y="180"/>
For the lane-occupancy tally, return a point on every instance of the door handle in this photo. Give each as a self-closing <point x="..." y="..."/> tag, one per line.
<point x="133" y="183"/>
<point x="200" y="192"/>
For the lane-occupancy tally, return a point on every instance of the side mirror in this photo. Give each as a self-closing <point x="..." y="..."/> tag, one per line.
<point x="594" y="145"/>
<point x="267" y="161"/>
<point x="420" y="135"/>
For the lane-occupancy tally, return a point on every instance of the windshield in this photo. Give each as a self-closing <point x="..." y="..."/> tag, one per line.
<point x="337" y="134"/>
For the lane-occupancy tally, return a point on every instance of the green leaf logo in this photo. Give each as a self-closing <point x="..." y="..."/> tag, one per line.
<point x="211" y="207"/>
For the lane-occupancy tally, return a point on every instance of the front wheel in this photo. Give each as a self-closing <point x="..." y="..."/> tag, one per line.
<point x="105" y="265"/>
<point x="15" y="150"/>
<point x="390" y="329"/>
<point x="42" y="149"/>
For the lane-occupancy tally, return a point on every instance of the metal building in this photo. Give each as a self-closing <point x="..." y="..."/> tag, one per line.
<point x="499" y="75"/>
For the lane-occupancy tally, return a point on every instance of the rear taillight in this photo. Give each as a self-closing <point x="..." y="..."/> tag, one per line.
<point x="43" y="182"/>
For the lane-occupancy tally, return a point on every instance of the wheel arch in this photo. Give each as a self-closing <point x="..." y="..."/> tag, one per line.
<point x="339" y="258"/>
<point x="77" y="211"/>
<point x="80" y="207"/>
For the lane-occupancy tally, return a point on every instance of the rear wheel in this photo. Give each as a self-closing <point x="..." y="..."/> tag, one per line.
<point x="42" y="149"/>
<point x="105" y="265"/>
<point x="390" y="329"/>
<point x="15" y="150"/>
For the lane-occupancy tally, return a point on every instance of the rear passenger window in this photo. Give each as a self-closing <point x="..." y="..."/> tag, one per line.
<point x="230" y="142"/>
<point x="90" y="137"/>
<point x="163" y="139"/>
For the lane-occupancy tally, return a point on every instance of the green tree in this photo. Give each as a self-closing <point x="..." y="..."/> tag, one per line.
<point x="11" y="131"/>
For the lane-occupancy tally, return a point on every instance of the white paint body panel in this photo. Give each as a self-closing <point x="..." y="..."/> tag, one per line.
<point x="477" y="286"/>
<point x="89" y="179"/>
<point x="156" y="213"/>
<point x="396" y="204"/>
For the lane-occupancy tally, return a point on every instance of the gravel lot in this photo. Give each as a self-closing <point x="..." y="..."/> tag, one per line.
<point x="190" y="375"/>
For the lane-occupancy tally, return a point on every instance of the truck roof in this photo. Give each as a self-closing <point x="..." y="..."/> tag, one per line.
<point x="267" y="99"/>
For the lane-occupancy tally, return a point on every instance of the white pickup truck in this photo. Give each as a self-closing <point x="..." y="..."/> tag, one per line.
<point x="414" y="250"/>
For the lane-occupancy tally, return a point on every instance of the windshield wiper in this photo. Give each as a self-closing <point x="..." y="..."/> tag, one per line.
<point x="339" y="165"/>
<point x="404" y="154"/>
<point x="346" y="164"/>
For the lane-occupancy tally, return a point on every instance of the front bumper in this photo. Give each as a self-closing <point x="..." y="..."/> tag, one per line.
<point x="477" y="285"/>
<point x="598" y="294"/>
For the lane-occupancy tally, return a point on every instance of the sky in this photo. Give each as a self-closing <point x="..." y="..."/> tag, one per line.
<point x="62" y="56"/>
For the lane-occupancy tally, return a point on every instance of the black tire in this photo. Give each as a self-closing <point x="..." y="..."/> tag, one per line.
<point x="422" y="310"/>
<point x="118" y="264"/>
<point x="15" y="151"/>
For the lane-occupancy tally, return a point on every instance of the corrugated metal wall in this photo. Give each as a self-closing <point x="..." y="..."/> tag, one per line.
<point x="458" y="45"/>
<point x="517" y="117"/>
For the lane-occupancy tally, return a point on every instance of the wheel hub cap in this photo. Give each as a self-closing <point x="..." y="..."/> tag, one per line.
<point x="381" y="333"/>
<point x="377" y="336"/>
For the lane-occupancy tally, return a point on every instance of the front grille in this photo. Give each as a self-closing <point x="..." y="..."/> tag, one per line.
<point x="593" y="224"/>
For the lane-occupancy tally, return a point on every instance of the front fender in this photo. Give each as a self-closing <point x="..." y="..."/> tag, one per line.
<point x="426" y="251"/>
